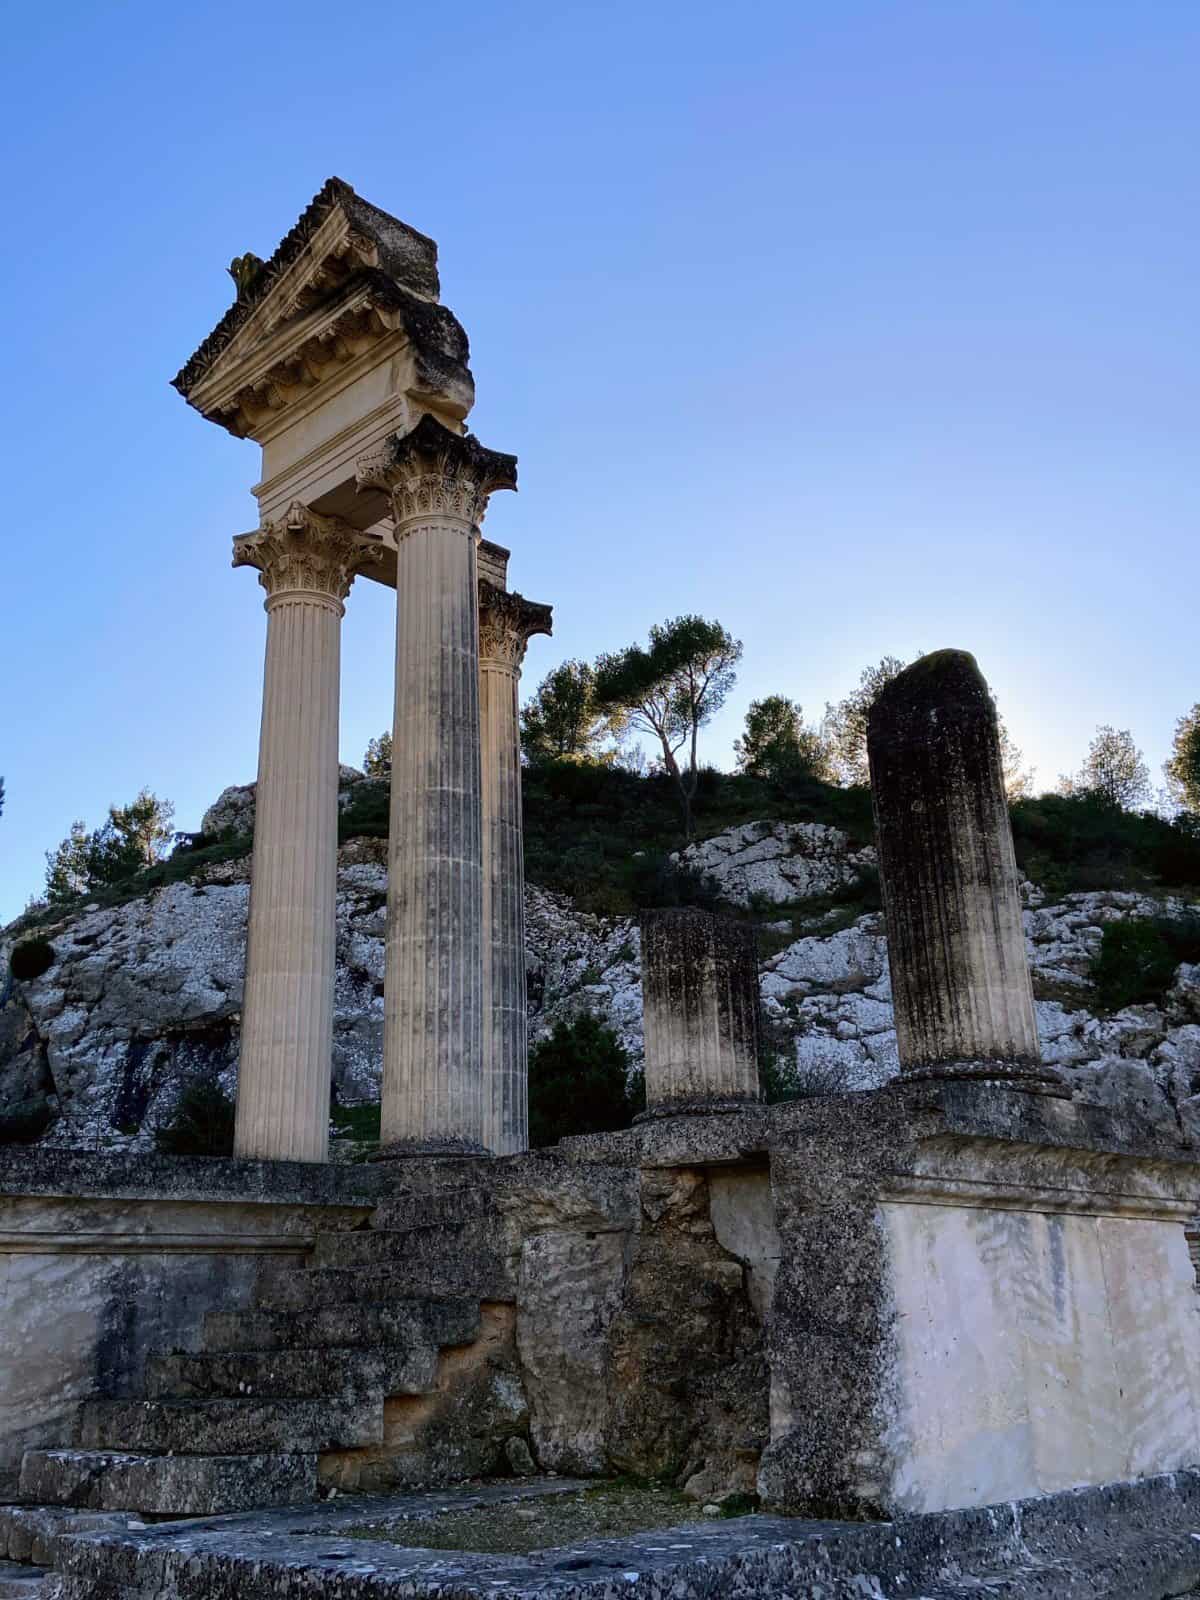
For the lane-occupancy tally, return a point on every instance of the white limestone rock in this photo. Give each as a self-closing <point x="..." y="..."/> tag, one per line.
<point x="777" y="863"/>
<point x="142" y="996"/>
<point x="232" y="812"/>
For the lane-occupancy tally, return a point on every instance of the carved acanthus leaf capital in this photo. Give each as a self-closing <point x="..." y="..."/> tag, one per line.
<point x="433" y="472"/>
<point x="507" y="622"/>
<point x="302" y="551"/>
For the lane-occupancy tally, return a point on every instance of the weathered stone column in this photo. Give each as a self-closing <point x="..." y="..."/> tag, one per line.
<point x="506" y="624"/>
<point x="433" y="1078"/>
<point x="306" y="564"/>
<point x="700" y="1011"/>
<point x="956" y="947"/>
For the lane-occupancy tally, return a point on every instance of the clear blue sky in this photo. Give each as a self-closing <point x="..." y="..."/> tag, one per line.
<point x="865" y="328"/>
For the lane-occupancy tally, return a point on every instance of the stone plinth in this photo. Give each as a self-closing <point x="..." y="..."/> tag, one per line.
<point x="433" y="1071"/>
<point x="506" y="624"/>
<point x="975" y="1302"/>
<point x="700" y="1005"/>
<point x="306" y="564"/>
<point x="960" y="976"/>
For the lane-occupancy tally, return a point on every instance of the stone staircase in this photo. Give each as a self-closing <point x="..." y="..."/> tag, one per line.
<point x="242" y="1423"/>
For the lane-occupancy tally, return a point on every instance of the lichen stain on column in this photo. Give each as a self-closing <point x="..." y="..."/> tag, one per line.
<point x="700" y="1000"/>
<point x="956" y="947"/>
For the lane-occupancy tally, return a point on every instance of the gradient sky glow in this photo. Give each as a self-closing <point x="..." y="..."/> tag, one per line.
<point x="865" y="328"/>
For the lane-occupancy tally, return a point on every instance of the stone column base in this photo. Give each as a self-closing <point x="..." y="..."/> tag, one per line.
<point x="700" y="1106"/>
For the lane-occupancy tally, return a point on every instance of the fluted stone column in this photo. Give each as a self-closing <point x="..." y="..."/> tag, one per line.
<point x="433" y="1074"/>
<point x="306" y="564"/>
<point x="506" y="624"/>
<point x="700" y="1012"/>
<point x="956" y="946"/>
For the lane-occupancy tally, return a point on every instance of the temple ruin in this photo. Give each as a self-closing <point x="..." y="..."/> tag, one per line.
<point x="935" y="1338"/>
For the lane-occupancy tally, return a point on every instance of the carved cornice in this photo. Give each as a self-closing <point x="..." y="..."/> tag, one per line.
<point x="507" y="622"/>
<point x="306" y="553"/>
<point x="360" y="243"/>
<point x="346" y="277"/>
<point x="433" y="472"/>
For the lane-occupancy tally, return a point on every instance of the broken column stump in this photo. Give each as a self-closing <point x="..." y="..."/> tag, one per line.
<point x="956" y="946"/>
<point x="700" y="1007"/>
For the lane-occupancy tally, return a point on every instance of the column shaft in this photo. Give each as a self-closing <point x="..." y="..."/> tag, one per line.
<point x="287" y="1015"/>
<point x="433" y="994"/>
<point x="956" y="946"/>
<point x="700" y="1012"/>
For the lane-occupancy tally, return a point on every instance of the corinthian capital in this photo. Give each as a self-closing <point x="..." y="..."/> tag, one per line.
<point x="507" y="622"/>
<point x="433" y="472"/>
<point x="306" y="552"/>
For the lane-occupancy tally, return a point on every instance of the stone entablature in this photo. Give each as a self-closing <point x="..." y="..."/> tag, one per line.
<point x="333" y="344"/>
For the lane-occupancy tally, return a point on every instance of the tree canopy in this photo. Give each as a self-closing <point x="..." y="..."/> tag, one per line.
<point x="669" y="688"/>
<point x="1182" y="766"/>
<point x="562" y="721"/>
<point x="1113" y="770"/>
<point x="377" y="762"/>
<point x="134" y="836"/>
<point x="776" y="743"/>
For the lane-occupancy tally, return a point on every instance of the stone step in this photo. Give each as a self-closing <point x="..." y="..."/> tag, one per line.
<point x="435" y="1250"/>
<point x="31" y="1532"/>
<point x="284" y="1287"/>
<point x="184" y="1486"/>
<point x="414" y="1324"/>
<point x="19" y="1582"/>
<point x="291" y="1374"/>
<point x="404" y="1211"/>
<point x="230" y="1427"/>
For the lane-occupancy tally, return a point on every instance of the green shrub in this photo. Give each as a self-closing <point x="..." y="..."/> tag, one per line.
<point x="1137" y="958"/>
<point x="30" y="959"/>
<point x="1075" y="843"/>
<point x="360" y="1122"/>
<point x="579" y="1083"/>
<point x="201" y="1123"/>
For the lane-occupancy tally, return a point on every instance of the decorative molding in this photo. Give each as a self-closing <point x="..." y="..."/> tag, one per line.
<point x="431" y="471"/>
<point x="303" y="552"/>
<point x="507" y="622"/>
<point x="68" y="1243"/>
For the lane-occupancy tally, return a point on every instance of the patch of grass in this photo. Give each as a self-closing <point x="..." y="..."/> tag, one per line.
<point x="547" y="1522"/>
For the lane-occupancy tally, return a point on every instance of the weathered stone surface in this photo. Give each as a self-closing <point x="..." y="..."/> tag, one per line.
<point x="777" y="863"/>
<point x="688" y="1382"/>
<point x="177" y="1485"/>
<point x="229" y="1426"/>
<point x="700" y="1003"/>
<point x="956" y="950"/>
<point x="1127" y="1541"/>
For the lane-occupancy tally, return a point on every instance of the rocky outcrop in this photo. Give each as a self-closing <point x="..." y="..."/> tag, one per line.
<point x="777" y="863"/>
<point x="142" y="996"/>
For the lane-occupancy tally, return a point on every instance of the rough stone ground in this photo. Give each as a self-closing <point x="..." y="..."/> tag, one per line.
<point x="144" y="995"/>
<point x="1129" y="1541"/>
<point x="606" y="1511"/>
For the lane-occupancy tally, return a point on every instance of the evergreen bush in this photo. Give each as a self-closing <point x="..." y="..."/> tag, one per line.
<point x="30" y="959"/>
<point x="201" y="1123"/>
<point x="579" y="1082"/>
